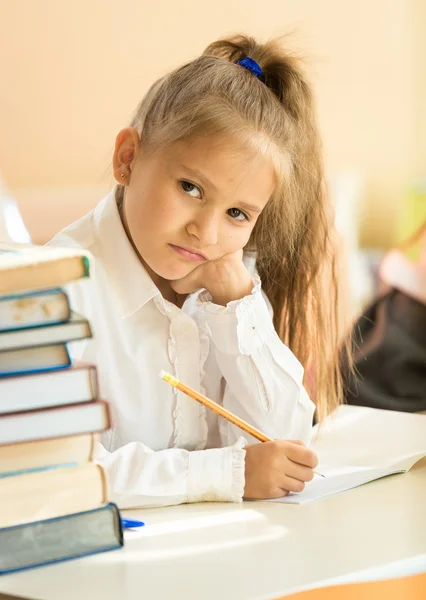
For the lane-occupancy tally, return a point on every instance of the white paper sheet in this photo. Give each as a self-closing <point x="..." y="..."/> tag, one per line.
<point x="356" y="445"/>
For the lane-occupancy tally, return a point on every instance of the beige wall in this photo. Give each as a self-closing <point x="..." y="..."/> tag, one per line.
<point x="418" y="15"/>
<point x="73" y="71"/>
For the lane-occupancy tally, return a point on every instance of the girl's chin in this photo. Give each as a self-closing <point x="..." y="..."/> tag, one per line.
<point x="172" y="273"/>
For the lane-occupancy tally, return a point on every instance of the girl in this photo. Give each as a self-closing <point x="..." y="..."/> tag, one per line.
<point x="220" y="190"/>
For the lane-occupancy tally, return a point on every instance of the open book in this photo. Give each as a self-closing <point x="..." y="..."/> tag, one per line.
<point x="356" y="445"/>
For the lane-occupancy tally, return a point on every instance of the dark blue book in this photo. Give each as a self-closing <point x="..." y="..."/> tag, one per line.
<point x="27" y="361"/>
<point x="75" y="328"/>
<point x="43" y="348"/>
<point x="56" y="540"/>
<point x="34" y="309"/>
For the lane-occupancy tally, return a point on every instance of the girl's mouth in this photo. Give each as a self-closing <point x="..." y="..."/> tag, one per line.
<point x="189" y="253"/>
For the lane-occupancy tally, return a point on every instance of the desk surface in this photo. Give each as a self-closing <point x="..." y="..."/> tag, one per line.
<point x="252" y="551"/>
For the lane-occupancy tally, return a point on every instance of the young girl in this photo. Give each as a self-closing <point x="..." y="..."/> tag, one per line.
<point x="220" y="191"/>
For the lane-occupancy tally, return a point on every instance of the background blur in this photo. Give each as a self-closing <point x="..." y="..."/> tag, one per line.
<point x="73" y="72"/>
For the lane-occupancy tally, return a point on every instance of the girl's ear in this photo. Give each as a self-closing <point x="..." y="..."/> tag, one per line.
<point x="126" y="149"/>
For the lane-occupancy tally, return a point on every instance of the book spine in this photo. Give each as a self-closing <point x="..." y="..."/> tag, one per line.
<point x="32" y="293"/>
<point x="94" y="440"/>
<point x="105" y="483"/>
<point x="59" y="539"/>
<point x="94" y="382"/>
<point x="38" y="371"/>
<point x="32" y="344"/>
<point x="40" y="455"/>
<point x="64" y="409"/>
<point x="51" y="294"/>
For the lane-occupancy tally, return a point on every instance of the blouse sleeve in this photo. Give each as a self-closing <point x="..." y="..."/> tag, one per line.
<point x="141" y="477"/>
<point x="263" y="377"/>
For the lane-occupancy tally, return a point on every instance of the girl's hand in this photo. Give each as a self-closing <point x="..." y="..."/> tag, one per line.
<point x="273" y="469"/>
<point x="226" y="279"/>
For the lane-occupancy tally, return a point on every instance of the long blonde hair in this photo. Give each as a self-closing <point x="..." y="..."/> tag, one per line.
<point x="292" y="238"/>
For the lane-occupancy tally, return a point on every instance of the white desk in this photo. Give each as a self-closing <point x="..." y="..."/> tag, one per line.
<point x="251" y="551"/>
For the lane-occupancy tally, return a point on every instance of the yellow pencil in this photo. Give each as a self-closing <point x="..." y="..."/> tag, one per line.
<point x="219" y="410"/>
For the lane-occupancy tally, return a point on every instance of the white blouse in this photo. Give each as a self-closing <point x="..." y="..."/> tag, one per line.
<point x="165" y="448"/>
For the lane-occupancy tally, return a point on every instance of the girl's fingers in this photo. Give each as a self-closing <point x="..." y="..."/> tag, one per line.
<point x="278" y="493"/>
<point x="302" y="455"/>
<point x="188" y="284"/>
<point x="298" y="471"/>
<point x="290" y="484"/>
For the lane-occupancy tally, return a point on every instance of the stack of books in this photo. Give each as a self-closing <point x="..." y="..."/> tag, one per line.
<point x="53" y="496"/>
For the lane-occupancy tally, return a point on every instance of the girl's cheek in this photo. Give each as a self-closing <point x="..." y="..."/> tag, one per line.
<point x="241" y="240"/>
<point x="172" y="204"/>
<point x="233" y="243"/>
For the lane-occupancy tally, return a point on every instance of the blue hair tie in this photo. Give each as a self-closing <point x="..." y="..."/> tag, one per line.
<point x="251" y="65"/>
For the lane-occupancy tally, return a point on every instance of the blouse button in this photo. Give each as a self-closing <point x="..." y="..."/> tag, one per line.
<point x="187" y="328"/>
<point x="172" y="351"/>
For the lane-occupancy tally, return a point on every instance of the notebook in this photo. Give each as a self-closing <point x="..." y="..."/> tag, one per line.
<point x="63" y="538"/>
<point x="29" y="267"/>
<point x="357" y="444"/>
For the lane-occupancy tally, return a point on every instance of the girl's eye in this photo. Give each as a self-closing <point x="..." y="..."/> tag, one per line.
<point x="191" y="189"/>
<point x="237" y="214"/>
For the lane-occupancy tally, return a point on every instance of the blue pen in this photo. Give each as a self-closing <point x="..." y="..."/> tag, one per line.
<point x="130" y="523"/>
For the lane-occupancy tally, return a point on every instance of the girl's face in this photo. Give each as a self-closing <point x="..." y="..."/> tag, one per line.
<point x="192" y="201"/>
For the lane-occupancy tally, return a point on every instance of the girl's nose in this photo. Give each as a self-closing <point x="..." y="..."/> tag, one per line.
<point x="204" y="228"/>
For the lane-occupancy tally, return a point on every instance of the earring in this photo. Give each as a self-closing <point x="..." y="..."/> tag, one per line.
<point x="123" y="176"/>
